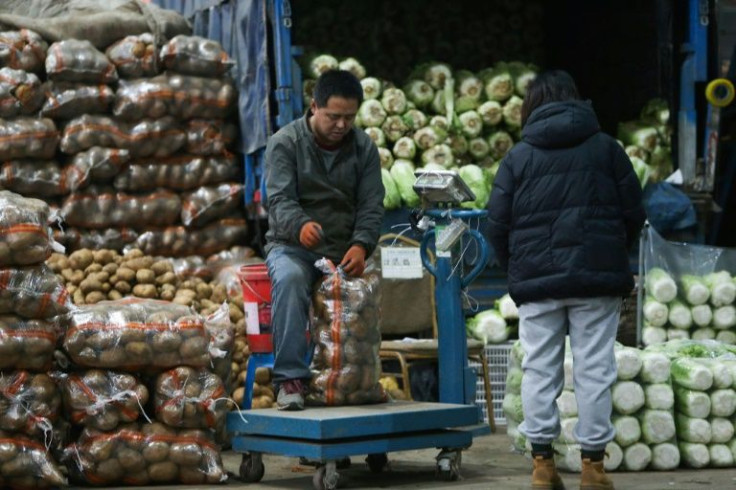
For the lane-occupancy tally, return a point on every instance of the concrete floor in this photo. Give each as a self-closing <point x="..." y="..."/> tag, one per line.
<point x="489" y="463"/>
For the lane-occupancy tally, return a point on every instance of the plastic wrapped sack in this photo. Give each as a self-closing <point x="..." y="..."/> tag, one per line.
<point x="190" y="398"/>
<point x="32" y="292"/>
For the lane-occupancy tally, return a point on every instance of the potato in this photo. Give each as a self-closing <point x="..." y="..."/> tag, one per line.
<point x="137" y="263"/>
<point x="110" y="470"/>
<point x="80" y="259"/>
<point x="8" y="451"/>
<point x="114" y="295"/>
<point x="145" y="291"/>
<point x="194" y="348"/>
<point x="191" y="476"/>
<point x="111" y="268"/>
<point x="102" y="449"/>
<point x="125" y="273"/>
<point x="165" y="471"/>
<point x="166" y="341"/>
<point x="238" y="395"/>
<point x="156" y="451"/>
<point x="185" y="454"/>
<point x="166" y="295"/>
<point x="123" y="287"/>
<point x="92" y="268"/>
<point x="263" y="375"/>
<point x="141" y="352"/>
<point x="130" y="460"/>
<point x="94" y="297"/>
<point x="166" y="278"/>
<point x="145" y="276"/>
<point x="104" y="256"/>
<point x="161" y="267"/>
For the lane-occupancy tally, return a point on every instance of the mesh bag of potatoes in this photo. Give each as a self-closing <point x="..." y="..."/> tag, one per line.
<point x="32" y="292"/>
<point x="74" y="239"/>
<point x="347" y="339"/>
<point x="86" y="131"/>
<point x="194" y="55"/>
<point x="202" y="98"/>
<point x="190" y="398"/>
<point x="67" y="100"/>
<point x="77" y="60"/>
<point x="100" y="207"/>
<point x="27" y="137"/>
<point x="26" y="343"/>
<point x="25" y="237"/>
<point x="20" y="93"/>
<point x="29" y="404"/>
<point x="143" y="98"/>
<point x="180" y="241"/>
<point x="209" y="136"/>
<point x="40" y="178"/>
<point x="102" y="399"/>
<point x="27" y="464"/>
<point x="177" y="173"/>
<point x="23" y="50"/>
<point x="209" y="203"/>
<point x="136" y="334"/>
<point x="221" y="330"/>
<point x="93" y="165"/>
<point x="134" y="56"/>
<point x="141" y="454"/>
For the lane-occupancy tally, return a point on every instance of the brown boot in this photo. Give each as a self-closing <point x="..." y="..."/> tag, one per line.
<point x="594" y="476"/>
<point x="545" y="475"/>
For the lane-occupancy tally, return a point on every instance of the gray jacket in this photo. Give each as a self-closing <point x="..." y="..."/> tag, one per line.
<point x="346" y="199"/>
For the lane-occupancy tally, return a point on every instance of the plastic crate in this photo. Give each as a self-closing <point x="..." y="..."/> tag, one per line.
<point x="498" y="362"/>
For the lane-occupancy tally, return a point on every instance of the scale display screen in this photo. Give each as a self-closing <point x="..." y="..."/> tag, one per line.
<point x="442" y="186"/>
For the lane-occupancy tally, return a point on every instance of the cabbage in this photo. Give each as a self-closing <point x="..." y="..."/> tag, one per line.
<point x="371" y="88"/>
<point x="653" y="335"/>
<point x="680" y="316"/>
<point x="402" y="171"/>
<point x="657" y="426"/>
<point x="517" y="354"/>
<point x="628" y="430"/>
<point x="628" y="397"/>
<point x="722" y="288"/>
<point x="514" y="376"/>
<point x="722" y="430"/>
<point x="567" y="457"/>
<point x="458" y="145"/>
<point x="322" y="63"/>
<point x="693" y="429"/>
<point x="475" y="178"/>
<point x="659" y="396"/>
<point x="353" y="66"/>
<point x="507" y="307"/>
<point x="665" y="456"/>
<point x="655" y="367"/>
<point x="720" y="456"/>
<point x="488" y="326"/>
<point x="726" y="336"/>
<point x="724" y="317"/>
<point x="393" y="100"/>
<point x="479" y="148"/>
<point x="692" y="374"/>
<point x="655" y="313"/>
<point x="371" y="113"/>
<point x="636" y="457"/>
<point x="376" y="134"/>
<point x="392" y="198"/>
<point x="512" y="112"/>
<point x="702" y="315"/>
<point x="642" y="170"/>
<point x="694" y="455"/>
<point x="703" y="334"/>
<point x="471" y="124"/>
<point x="394" y="127"/>
<point x="512" y="407"/>
<point x="567" y="404"/>
<point x="405" y="148"/>
<point x="414" y="119"/>
<point x="569" y="383"/>
<point x="419" y="92"/>
<point x="490" y="112"/>
<point x="440" y="154"/>
<point x="567" y="430"/>
<point x="660" y="285"/>
<point x="468" y="85"/>
<point x="722" y="402"/>
<point x="677" y="334"/>
<point x="692" y="403"/>
<point x="628" y="363"/>
<point x="695" y="289"/>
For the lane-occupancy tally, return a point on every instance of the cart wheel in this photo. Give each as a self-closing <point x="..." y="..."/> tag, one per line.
<point x="377" y="462"/>
<point x="326" y="477"/>
<point x="251" y="468"/>
<point x="448" y="465"/>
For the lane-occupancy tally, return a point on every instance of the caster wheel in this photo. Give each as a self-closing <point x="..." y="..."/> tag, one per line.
<point x="325" y="478"/>
<point x="377" y="462"/>
<point x="251" y="468"/>
<point x="448" y="465"/>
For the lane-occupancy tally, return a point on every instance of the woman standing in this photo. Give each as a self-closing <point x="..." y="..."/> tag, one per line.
<point x="565" y="210"/>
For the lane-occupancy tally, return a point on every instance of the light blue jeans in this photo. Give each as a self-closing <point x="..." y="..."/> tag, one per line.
<point x="592" y="325"/>
<point x="293" y="276"/>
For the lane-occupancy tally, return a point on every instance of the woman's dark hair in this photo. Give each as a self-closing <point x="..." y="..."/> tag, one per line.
<point x="340" y="83"/>
<point x="548" y="86"/>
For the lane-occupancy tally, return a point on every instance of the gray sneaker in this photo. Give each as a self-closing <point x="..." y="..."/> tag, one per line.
<point x="291" y="395"/>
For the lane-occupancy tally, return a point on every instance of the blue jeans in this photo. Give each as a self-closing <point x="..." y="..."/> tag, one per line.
<point x="293" y="276"/>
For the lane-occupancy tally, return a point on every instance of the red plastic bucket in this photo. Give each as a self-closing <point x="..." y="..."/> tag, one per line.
<point x="256" y="287"/>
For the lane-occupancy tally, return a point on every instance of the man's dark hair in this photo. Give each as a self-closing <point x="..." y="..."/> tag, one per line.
<point x="548" y="86"/>
<point x="339" y="83"/>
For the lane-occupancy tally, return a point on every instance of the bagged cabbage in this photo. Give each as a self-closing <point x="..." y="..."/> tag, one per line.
<point x="75" y="60"/>
<point x="194" y="55"/>
<point x="660" y="285"/>
<point x="67" y="100"/>
<point x="103" y="400"/>
<point x="136" y="333"/>
<point x="135" y="56"/>
<point x="208" y="204"/>
<point x="144" y="454"/>
<point x="347" y="337"/>
<point x="177" y="173"/>
<point x="23" y="50"/>
<point x="27" y="137"/>
<point x="40" y="178"/>
<point x="20" y="92"/>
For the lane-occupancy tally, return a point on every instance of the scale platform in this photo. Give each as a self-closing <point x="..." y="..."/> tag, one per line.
<point x="328" y="433"/>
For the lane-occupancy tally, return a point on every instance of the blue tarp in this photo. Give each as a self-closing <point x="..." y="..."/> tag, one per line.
<point x="242" y="28"/>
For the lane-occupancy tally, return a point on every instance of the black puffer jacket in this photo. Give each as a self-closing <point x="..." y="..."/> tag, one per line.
<point x="565" y="208"/>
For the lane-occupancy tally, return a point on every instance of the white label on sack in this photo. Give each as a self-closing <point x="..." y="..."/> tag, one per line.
<point x="252" y="327"/>
<point x="401" y="263"/>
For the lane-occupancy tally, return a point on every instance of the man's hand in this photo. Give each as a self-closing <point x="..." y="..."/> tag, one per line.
<point x="311" y="234"/>
<point x="354" y="261"/>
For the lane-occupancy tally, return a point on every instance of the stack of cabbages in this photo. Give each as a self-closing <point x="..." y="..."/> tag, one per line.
<point x="698" y="307"/>
<point x="643" y="413"/>
<point x="32" y="300"/>
<point x="132" y="143"/>
<point x="440" y="118"/>
<point x="346" y="365"/>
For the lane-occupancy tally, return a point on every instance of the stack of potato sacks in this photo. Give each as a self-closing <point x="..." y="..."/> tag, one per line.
<point x="31" y="300"/>
<point x="142" y="139"/>
<point x="127" y="351"/>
